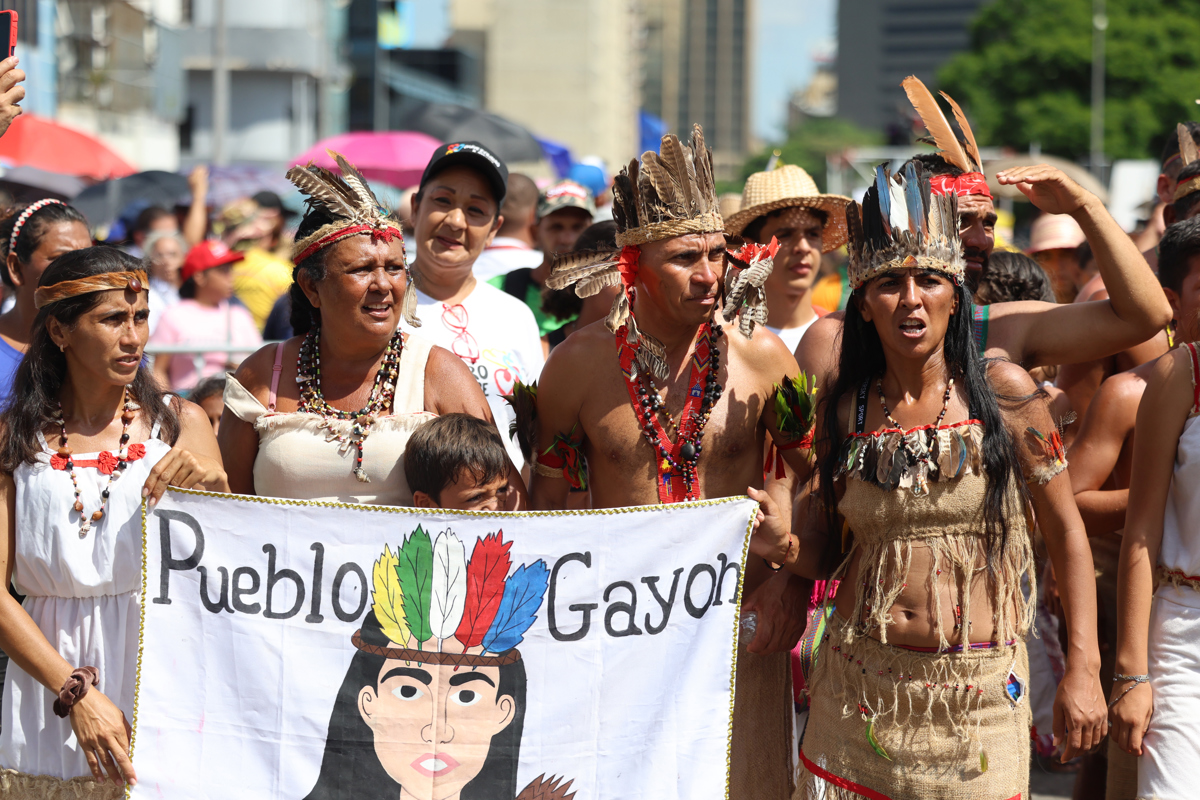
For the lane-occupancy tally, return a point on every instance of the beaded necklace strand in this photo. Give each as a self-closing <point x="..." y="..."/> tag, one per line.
<point x="675" y="460"/>
<point x="930" y="433"/>
<point x="308" y="375"/>
<point x="128" y="412"/>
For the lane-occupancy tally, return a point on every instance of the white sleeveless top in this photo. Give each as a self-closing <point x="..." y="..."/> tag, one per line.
<point x="297" y="459"/>
<point x="82" y="592"/>
<point x="1180" y="551"/>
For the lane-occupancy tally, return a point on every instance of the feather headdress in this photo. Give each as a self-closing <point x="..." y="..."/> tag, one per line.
<point x="903" y="225"/>
<point x="963" y="154"/>
<point x="1188" y="181"/>
<point x="355" y="210"/>
<point x="438" y="607"/>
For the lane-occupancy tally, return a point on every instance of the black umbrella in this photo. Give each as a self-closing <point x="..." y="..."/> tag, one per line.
<point x="103" y="203"/>
<point x="454" y="123"/>
<point x="27" y="184"/>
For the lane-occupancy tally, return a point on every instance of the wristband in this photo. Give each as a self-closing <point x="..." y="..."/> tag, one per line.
<point x="1135" y="681"/>
<point x="75" y="688"/>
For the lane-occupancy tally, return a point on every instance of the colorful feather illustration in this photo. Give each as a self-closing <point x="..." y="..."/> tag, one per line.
<point x="415" y="570"/>
<point x="485" y="588"/>
<point x="449" y="585"/>
<point x="523" y="595"/>
<point x="388" y="597"/>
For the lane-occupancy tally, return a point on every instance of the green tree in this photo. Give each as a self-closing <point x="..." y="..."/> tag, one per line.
<point x="1027" y="75"/>
<point x="807" y="146"/>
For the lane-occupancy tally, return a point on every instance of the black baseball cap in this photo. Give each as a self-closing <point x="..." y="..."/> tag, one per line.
<point x="475" y="156"/>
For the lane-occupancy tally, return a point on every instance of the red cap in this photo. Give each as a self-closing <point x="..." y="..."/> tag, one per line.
<point x="208" y="254"/>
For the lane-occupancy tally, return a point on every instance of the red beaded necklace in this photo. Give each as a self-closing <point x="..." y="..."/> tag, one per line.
<point x="675" y="461"/>
<point x="128" y="412"/>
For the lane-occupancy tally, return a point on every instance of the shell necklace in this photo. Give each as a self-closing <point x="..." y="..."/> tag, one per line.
<point x="308" y="375"/>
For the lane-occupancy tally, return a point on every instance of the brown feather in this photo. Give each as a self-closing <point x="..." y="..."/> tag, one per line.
<point x="597" y="283"/>
<point x="618" y="313"/>
<point x="1188" y="152"/>
<point x="313" y="185"/>
<point x="936" y="123"/>
<point x="666" y="187"/>
<point x="574" y="267"/>
<point x="677" y="164"/>
<point x="356" y="181"/>
<point x="637" y="204"/>
<point x="702" y="164"/>
<point x="965" y="126"/>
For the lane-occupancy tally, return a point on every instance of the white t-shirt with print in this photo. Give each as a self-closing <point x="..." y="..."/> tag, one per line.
<point x="496" y="336"/>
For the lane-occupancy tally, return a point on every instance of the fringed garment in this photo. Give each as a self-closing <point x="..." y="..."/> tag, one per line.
<point x="894" y="723"/>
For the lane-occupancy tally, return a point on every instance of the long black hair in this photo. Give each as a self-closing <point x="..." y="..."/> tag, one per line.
<point x="350" y="769"/>
<point x="33" y="231"/>
<point x="862" y="360"/>
<point x="304" y="315"/>
<point x="43" y="371"/>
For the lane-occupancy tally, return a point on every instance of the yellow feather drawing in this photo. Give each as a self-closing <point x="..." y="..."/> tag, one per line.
<point x="386" y="598"/>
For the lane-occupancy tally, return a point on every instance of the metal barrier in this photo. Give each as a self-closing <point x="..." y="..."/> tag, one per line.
<point x="199" y="350"/>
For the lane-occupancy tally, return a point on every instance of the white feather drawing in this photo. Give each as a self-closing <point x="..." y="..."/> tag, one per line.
<point x="449" y="590"/>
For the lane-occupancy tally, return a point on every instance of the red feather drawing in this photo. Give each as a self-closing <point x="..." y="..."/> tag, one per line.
<point x="486" y="573"/>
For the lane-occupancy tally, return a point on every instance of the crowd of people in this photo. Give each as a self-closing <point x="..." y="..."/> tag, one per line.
<point x="930" y="586"/>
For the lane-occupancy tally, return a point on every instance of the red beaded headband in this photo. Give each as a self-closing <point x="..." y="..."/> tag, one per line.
<point x="134" y="281"/>
<point x="29" y="211"/>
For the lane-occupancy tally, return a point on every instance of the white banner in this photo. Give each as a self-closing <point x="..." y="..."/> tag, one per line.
<point x="310" y="651"/>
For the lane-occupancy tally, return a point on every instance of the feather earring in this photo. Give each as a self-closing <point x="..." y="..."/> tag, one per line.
<point x="410" y="302"/>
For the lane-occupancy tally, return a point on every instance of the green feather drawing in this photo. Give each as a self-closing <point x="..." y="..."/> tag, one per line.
<point x="414" y="568"/>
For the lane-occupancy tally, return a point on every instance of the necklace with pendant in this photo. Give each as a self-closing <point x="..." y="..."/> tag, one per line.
<point x="308" y="375"/>
<point x="128" y="411"/>
<point x="675" y="461"/>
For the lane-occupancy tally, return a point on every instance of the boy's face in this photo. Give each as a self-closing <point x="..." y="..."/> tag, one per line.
<point x="468" y="494"/>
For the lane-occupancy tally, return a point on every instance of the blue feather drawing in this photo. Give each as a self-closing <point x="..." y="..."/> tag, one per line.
<point x="518" y="607"/>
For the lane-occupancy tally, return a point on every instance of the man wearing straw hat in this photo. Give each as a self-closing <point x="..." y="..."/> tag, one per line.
<point x="785" y="203"/>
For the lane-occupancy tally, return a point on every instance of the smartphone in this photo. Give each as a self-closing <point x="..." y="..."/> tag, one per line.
<point x="8" y="22"/>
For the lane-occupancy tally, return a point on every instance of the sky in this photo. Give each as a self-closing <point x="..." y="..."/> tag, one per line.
<point x="787" y="32"/>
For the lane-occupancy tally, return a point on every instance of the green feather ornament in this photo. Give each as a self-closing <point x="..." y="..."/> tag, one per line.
<point x="414" y="568"/>
<point x="796" y="406"/>
<point x="871" y="740"/>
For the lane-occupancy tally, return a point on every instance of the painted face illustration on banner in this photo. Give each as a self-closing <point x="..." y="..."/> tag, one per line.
<point x="434" y="725"/>
<point x="434" y="700"/>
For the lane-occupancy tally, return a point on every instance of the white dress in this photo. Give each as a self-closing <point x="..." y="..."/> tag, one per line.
<point x="83" y="593"/>
<point x="1171" y="751"/>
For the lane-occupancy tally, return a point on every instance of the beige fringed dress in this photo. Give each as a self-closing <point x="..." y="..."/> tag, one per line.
<point x="894" y="723"/>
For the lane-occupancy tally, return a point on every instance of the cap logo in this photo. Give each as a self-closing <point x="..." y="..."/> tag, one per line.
<point x="459" y="147"/>
<point x="566" y="190"/>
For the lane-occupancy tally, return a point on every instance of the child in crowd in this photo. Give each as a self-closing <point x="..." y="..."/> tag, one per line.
<point x="209" y="394"/>
<point x="457" y="461"/>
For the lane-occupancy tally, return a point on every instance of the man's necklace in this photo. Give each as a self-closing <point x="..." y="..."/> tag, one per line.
<point x="675" y="461"/>
<point x="308" y="375"/>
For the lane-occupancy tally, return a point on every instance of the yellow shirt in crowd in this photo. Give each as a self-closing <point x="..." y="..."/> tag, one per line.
<point x="258" y="281"/>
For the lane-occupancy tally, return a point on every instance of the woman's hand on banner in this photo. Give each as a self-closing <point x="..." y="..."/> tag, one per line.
<point x="186" y="470"/>
<point x="103" y="734"/>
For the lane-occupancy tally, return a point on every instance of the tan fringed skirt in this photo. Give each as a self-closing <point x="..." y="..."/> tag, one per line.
<point x="893" y="724"/>
<point x="19" y="786"/>
<point x="761" y="762"/>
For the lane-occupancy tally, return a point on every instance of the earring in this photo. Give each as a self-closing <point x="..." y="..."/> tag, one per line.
<point x="410" y="303"/>
<point x="62" y="348"/>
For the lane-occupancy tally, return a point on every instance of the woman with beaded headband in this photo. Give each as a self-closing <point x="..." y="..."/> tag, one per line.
<point x="326" y="415"/>
<point x="86" y="437"/>
<point x="31" y="236"/>
<point x="433" y="704"/>
<point x="932" y="461"/>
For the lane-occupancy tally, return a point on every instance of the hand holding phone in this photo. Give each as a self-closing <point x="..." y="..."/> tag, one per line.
<point x="8" y="22"/>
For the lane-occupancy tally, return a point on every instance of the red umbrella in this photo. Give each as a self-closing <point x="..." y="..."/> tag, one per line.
<point x="395" y="157"/>
<point x="33" y="141"/>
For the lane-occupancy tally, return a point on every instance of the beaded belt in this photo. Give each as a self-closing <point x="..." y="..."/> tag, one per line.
<point x="1174" y="577"/>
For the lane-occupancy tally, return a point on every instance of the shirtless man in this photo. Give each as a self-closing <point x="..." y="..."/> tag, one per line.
<point x="674" y="271"/>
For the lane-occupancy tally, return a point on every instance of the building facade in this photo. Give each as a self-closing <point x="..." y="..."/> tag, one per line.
<point x="697" y="68"/>
<point x="568" y="70"/>
<point x="881" y="42"/>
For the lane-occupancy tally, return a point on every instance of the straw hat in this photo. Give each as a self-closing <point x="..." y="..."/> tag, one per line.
<point x="789" y="187"/>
